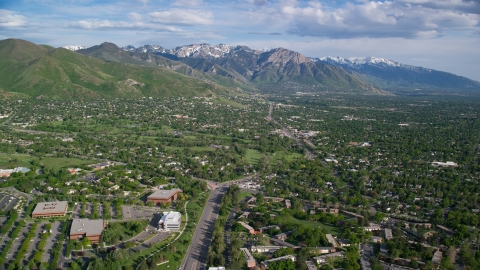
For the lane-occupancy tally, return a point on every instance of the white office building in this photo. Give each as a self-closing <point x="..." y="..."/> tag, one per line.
<point x="170" y="221"/>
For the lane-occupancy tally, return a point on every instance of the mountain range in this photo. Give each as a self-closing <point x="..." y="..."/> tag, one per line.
<point x="108" y="71"/>
<point x="40" y="71"/>
<point x="273" y="66"/>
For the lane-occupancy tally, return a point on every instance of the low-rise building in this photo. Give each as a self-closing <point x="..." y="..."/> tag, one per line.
<point x="437" y="258"/>
<point x="343" y="242"/>
<point x="249" y="228"/>
<point x="283" y="258"/>
<point x="265" y="249"/>
<point x="444" y="164"/>
<point x="249" y="258"/>
<point x="170" y="221"/>
<point x="372" y="227"/>
<point x="266" y="228"/>
<point x="91" y="229"/>
<point x="323" y="250"/>
<point x="322" y="259"/>
<point x="282" y="243"/>
<point x="50" y="209"/>
<point x="8" y="172"/>
<point x="311" y="265"/>
<point x="376" y="239"/>
<point x="387" y="233"/>
<point x="331" y="240"/>
<point x="162" y="196"/>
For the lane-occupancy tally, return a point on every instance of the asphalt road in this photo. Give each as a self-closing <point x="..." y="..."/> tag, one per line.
<point x="196" y="256"/>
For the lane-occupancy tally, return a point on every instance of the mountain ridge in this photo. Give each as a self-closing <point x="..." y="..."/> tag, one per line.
<point x="379" y="72"/>
<point x="36" y="71"/>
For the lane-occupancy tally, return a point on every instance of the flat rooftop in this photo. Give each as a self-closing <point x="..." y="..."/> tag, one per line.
<point x="164" y="194"/>
<point x="171" y="216"/>
<point x="247" y="255"/>
<point x="88" y="226"/>
<point x="45" y="208"/>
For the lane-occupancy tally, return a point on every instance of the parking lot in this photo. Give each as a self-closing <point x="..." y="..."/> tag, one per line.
<point x="7" y="201"/>
<point x="140" y="212"/>
<point x="56" y="231"/>
<point x="17" y="242"/>
<point x="77" y="210"/>
<point x="32" y="247"/>
<point x="157" y="238"/>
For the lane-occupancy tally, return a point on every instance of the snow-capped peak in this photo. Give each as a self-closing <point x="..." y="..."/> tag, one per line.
<point x="381" y="61"/>
<point x="356" y="62"/>
<point x="74" y="47"/>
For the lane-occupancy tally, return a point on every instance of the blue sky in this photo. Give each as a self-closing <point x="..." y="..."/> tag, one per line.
<point x="438" y="34"/>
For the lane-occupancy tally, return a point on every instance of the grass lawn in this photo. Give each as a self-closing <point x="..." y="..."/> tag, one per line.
<point x="253" y="156"/>
<point x="313" y="224"/>
<point x="181" y="245"/>
<point x="64" y="162"/>
<point x="226" y="101"/>
<point x="51" y="162"/>
<point x="281" y="154"/>
<point x="243" y="194"/>
<point x="194" y="148"/>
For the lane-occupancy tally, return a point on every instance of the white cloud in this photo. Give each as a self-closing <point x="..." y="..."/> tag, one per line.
<point x="177" y="16"/>
<point x="187" y="3"/>
<point x="9" y="18"/>
<point x="97" y="24"/>
<point x="134" y="16"/>
<point x="378" y="19"/>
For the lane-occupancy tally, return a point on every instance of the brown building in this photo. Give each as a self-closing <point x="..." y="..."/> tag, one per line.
<point x="251" y="263"/>
<point x="50" y="209"/>
<point x="92" y="229"/>
<point x="162" y="196"/>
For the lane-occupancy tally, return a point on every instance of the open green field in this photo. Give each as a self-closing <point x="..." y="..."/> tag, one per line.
<point x="243" y="194"/>
<point x="194" y="148"/>
<point x="313" y="224"/>
<point x="282" y="154"/>
<point x="253" y="156"/>
<point x="51" y="162"/>
<point x="226" y="101"/>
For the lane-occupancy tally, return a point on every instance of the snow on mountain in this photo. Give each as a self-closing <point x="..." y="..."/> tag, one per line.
<point x="201" y="50"/>
<point x="145" y="49"/>
<point x="193" y="50"/>
<point x="74" y="47"/>
<point x="358" y="62"/>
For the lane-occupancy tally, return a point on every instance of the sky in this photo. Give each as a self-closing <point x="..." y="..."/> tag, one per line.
<point x="437" y="34"/>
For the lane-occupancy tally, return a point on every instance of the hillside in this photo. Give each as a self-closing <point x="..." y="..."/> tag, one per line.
<point x="112" y="53"/>
<point x="268" y="71"/>
<point x="37" y="71"/>
<point x="391" y="75"/>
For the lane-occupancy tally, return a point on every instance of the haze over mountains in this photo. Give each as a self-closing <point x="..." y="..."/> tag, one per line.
<point x="106" y="70"/>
